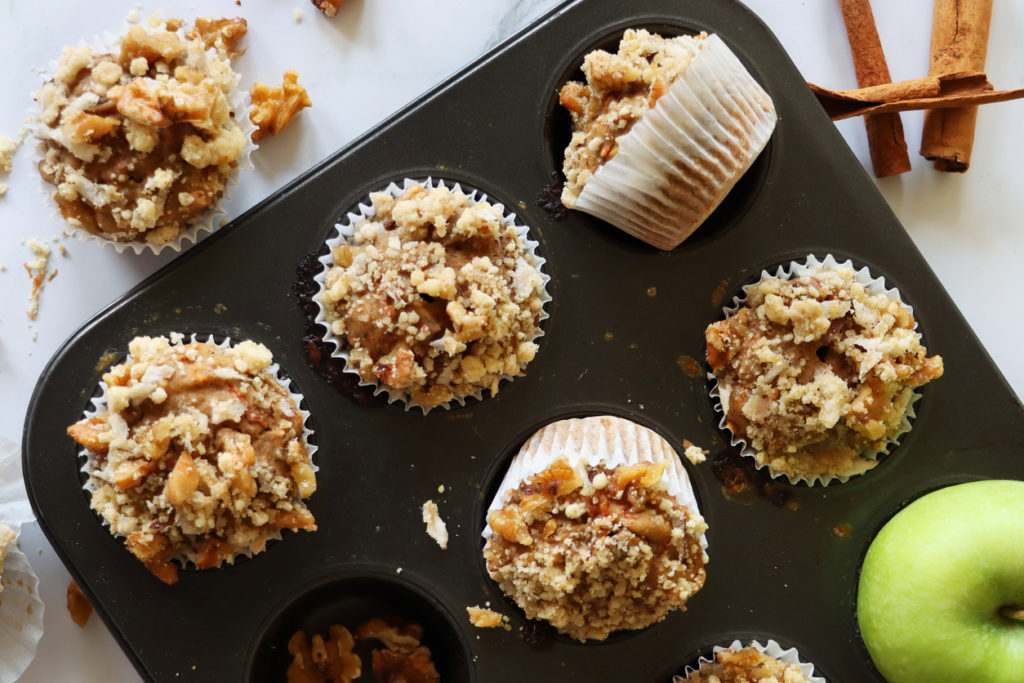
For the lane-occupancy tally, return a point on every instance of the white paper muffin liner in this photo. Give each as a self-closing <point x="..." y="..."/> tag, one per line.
<point x="99" y="406"/>
<point x="365" y="212"/>
<point x="875" y="285"/>
<point x="210" y="221"/>
<point x="601" y="439"/>
<point x="771" y="648"/>
<point x="15" y="509"/>
<point x="21" y="615"/>
<point x="679" y="161"/>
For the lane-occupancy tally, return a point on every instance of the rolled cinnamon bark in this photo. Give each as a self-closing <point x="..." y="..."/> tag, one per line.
<point x="886" y="143"/>
<point x="959" y="43"/>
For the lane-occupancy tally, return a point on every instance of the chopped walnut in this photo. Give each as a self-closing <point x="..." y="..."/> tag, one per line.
<point x="322" y="661"/>
<point x="273" y="108"/>
<point x="221" y="34"/>
<point x="397" y="667"/>
<point x="816" y="373"/>
<point x="328" y="7"/>
<point x="199" y="456"/>
<point x="396" y="634"/>
<point x="78" y="605"/>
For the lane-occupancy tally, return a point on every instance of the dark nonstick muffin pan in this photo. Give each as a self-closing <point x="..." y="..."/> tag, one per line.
<point x="626" y="324"/>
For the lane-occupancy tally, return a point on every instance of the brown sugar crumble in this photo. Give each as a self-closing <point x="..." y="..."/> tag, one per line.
<point x="620" y="89"/>
<point x="140" y="143"/>
<point x="273" y="108"/>
<point x="816" y="373"/>
<point x="592" y="555"/>
<point x="200" y="455"/>
<point x="437" y="296"/>
<point x="746" y="665"/>
<point x="482" y="617"/>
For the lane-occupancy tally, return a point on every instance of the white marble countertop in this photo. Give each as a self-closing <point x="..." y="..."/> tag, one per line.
<point x="374" y="57"/>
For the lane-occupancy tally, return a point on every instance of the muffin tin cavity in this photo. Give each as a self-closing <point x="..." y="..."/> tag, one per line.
<point x="349" y="599"/>
<point x="557" y="131"/>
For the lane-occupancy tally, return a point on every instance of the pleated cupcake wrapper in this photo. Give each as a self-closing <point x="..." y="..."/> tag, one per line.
<point x="15" y="509"/>
<point x="210" y="221"/>
<point x="679" y="161"/>
<point x="600" y="440"/>
<point x="875" y="285"/>
<point x="99" y="406"/>
<point x="771" y="648"/>
<point x="21" y="615"/>
<point x="364" y="213"/>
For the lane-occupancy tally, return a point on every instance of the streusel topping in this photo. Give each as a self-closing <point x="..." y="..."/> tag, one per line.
<point x="746" y="665"/>
<point x="7" y="537"/>
<point x="200" y="455"/>
<point x="592" y="555"/>
<point x="816" y="373"/>
<point x="139" y="144"/>
<point x="620" y="89"/>
<point x="436" y="296"/>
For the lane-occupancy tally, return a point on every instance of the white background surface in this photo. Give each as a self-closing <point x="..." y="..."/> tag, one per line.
<point x="377" y="55"/>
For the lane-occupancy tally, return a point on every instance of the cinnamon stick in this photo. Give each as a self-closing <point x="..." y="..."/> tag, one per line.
<point x="959" y="43"/>
<point x="932" y="93"/>
<point x="886" y="143"/>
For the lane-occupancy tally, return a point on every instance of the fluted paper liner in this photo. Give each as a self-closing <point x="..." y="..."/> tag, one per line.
<point x="365" y="212"/>
<point x="14" y="506"/>
<point x="679" y="161"/>
<point x="602" y="439"/>
<point x="210" y="221"/>
<point x="771" y="648"/>
<point x="793" y="269"/>
<point x="21" y="615"/>
<point x="99" y="406"/>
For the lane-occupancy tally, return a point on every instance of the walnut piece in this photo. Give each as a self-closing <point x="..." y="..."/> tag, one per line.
<point x="328" y="7"/>
<point x="78" y="605"/>
<point x="222" y="34"/>
<point x="274" y="108"/>
<point x="322" y="661"/>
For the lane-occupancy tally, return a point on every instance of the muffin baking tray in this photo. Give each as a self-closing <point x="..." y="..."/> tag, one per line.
<point x="626" y="323"/>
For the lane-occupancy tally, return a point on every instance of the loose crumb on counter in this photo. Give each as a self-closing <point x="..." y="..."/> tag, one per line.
<point x="38" y="269"/>
<point x="436" y="527"/>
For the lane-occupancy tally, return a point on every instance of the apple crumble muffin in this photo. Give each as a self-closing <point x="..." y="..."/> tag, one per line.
<point x="746" y="665"/>
<point x="596" y="550"/>
<point x="139" y="143"/>
<point x="621" y="87"/>
<point x="200" y="455"/>
<point x="816" y="373"/>
<point x="661" y="131"/>
<point x="437" y="297"/>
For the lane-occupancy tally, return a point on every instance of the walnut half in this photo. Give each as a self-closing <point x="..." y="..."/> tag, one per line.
<point x="274" y="108"/>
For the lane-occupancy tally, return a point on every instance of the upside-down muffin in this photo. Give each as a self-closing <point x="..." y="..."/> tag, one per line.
<point x="661" y="131"/>
<point x="140" y="142"/>
<point x="436" y="297"/>
<point x="595" y="529"/>
<point x="199" y="454"/>
<point x="816" y="373"/>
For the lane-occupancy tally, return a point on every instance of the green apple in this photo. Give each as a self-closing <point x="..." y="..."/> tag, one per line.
<point x="941" y="595"/>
